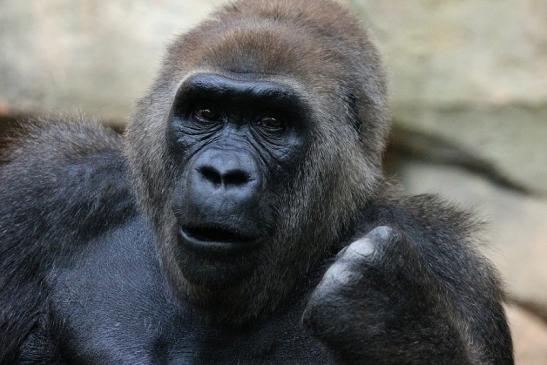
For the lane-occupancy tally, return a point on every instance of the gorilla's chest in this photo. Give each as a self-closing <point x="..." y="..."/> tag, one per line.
<point x="113" y="307"/>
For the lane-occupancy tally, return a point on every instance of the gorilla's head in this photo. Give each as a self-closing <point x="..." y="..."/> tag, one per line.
<point x="256" y="146"/>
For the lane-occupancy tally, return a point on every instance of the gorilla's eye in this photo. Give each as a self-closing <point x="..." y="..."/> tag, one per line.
<point x="207" y="115"/>
<point x="271" y="124"/>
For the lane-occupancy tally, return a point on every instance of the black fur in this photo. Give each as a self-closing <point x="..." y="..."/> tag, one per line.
<point x="55" y="198"/>
<point x="349" y="270"/>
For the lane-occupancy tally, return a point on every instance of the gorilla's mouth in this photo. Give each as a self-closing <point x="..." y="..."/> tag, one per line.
<point x="216" y="234"/>
<point x="216" y="239"/>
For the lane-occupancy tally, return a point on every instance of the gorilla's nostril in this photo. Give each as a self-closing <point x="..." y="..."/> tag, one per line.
<point x="211" y="174"/>
<point x="235" y="178"/>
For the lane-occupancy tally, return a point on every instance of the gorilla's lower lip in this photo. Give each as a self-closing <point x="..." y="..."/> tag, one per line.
<point x="213" y="239"/>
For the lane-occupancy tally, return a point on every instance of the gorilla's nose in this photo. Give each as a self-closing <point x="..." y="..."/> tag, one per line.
<point x="222" y="175"/>
<point x="228" y="175"/>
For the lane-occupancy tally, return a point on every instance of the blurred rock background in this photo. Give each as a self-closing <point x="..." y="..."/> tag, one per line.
<point x="469" y="97"/>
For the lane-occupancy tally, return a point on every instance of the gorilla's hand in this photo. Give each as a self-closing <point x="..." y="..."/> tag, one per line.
<point x="378" y="304"/>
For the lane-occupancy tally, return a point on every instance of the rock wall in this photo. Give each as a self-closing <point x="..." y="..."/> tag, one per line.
<point x="86" y="56"/>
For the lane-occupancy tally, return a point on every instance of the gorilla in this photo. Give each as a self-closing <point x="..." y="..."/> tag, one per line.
<point x="243" y="218"/>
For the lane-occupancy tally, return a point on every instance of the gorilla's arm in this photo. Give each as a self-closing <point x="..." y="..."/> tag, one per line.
<point x="411" y="289"/>
<point x="61" y="185"/>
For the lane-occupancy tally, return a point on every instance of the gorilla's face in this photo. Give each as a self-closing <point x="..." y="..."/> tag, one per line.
<point x="236" y="142"/>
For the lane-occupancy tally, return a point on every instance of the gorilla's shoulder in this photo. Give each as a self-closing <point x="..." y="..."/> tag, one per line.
<point x="61" y="184"/>
<point x="63" y="178"/>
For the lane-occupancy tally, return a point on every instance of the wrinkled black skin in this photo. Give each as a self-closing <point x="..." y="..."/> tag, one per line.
<point x="80" y="281"/>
